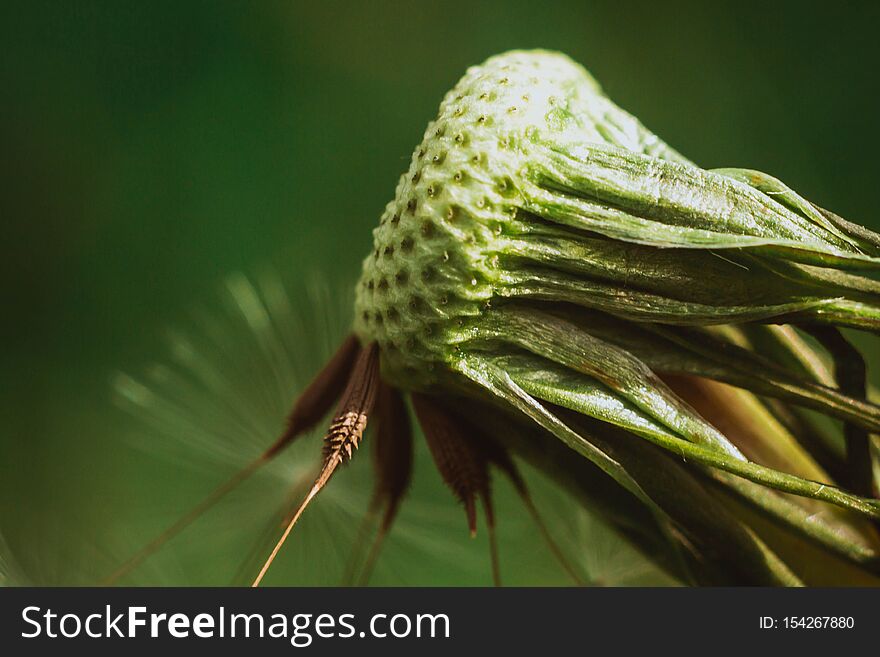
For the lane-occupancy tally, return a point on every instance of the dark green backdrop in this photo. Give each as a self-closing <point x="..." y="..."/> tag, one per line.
<point x="151" y="148"/>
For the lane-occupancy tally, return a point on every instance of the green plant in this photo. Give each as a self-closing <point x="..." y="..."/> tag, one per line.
<point x="554" y="282"/>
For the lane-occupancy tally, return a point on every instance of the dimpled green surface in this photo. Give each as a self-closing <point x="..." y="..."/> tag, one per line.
<point x="435" y="251"/>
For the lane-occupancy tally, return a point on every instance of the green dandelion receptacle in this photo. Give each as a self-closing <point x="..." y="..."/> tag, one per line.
<point x="459" y="209"/>
<point x="553" y="282"/>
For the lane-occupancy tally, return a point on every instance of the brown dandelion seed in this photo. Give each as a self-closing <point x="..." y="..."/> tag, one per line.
<point x="392" y="462"/>
<point x="462" y="466"/>
<point x="310" y="407"/>
<point x="346" y="431"/>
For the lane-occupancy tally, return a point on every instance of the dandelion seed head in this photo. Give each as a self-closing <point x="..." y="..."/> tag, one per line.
<point x="548" y="258"/>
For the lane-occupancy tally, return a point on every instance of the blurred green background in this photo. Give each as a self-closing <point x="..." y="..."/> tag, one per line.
<point x="151" y="149"/>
